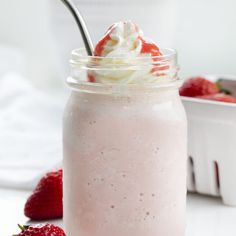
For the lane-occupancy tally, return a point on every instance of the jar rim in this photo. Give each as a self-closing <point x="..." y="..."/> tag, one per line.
<point x="80" y="54"/>
<point x="100" y="88"/>
<point x="81" y="61"/>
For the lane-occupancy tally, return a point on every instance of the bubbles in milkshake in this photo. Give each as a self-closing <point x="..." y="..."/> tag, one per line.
<point x="156" y="150"/>
<point x="92" y="122"/>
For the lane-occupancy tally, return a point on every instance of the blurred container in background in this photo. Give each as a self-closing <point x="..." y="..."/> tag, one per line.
<point x="157" y="18"/>
<point x="206" y="37"/>
<point x="24" y="28"/>
<point x="202" y="31"/>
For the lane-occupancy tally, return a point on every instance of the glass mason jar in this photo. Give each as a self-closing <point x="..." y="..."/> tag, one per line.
<point x="124" y="149"/>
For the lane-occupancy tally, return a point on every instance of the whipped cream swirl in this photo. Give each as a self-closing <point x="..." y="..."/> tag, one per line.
<point x="124" y="40"/>
<point x="121" y="40"/>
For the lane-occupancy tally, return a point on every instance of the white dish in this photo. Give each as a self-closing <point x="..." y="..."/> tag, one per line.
<point x="212" y="147"/>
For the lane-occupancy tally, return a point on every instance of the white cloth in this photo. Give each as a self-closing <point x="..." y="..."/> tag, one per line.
<point x="30" y="132"/>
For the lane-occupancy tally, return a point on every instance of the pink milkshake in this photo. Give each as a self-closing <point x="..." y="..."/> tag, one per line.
<point x="124" y="140"/>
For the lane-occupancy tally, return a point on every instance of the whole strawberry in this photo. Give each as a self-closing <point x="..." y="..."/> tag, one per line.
<point x="198" y="86"/>
<point x="46" y="200"/>
<point x="220" y="97"/>
<point x="41" y="230"/>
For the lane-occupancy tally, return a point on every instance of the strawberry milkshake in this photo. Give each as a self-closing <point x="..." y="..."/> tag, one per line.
<point x="124" y="140"/>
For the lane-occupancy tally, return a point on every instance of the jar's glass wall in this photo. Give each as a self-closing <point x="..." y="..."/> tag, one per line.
<point x="124" y="158"/>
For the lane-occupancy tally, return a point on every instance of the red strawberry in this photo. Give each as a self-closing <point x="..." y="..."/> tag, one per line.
<point x="150" y="48"/>
<point x="198" y="86"/>
<point x="41" y="230"/>
<point x="220" y="97"/>
<point x="91" y="78"/>
<point x="46" y="200"/>
<point x="100" y="46"/>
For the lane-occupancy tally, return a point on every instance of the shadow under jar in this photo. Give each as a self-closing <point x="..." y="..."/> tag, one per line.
<point x="124" y="149"/>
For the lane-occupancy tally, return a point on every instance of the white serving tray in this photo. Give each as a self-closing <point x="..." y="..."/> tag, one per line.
<point x="211" y="148"/>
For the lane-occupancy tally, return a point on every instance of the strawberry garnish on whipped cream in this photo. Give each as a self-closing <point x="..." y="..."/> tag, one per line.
<point x="124" y="40"/>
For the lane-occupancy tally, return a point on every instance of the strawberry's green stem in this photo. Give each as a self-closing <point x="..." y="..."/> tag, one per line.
<point x="22" y="227"/>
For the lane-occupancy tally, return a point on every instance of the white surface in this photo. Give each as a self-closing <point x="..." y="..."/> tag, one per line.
<point x="206" y="216"/>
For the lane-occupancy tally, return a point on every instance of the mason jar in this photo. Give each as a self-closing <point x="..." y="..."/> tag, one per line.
<point x="124" y="149"/>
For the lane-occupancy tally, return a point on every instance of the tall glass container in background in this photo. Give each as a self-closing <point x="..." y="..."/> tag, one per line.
<point x="156" y="17"/>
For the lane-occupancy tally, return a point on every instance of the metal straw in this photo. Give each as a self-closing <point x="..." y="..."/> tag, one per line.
<point x="81" y="24"/>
